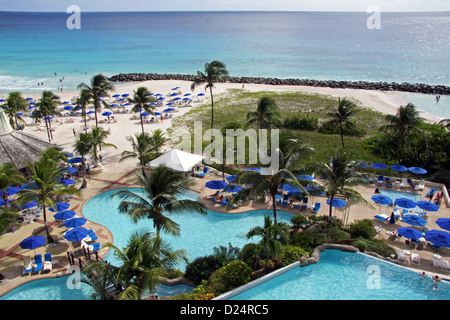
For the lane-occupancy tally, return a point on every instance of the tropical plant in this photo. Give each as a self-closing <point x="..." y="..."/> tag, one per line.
<point x="83" y="101"/>
<point x="83" y="146"/>
<point x="159" y="201"/>
<point x="342" y="174"/>
<point x="101" y="276"/>
<point x="142" y="102"/>
<point x="98" y="87"/>
<point x="15" y="104"/>
<point x="45" y="187"/>
<point x="98" y="136"/>
<point x="405" y="121"/>
<point x="6" y="219"/>
<point x="9" y="176"/>
<point x="157" y="140"/>
<point x="342" y="115"/>
<point x="213" y="73"/>
<point x="45" y="108"/>
<point x="265" y="114"/>
<point x="142" y="149"/>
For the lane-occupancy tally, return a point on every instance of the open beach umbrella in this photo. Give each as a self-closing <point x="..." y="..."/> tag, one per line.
<point x="75" y="160"/>
<point x="399" y="168"/>
<point x="201" y="94"/>
<point x="157" y="113"/>
<point x="60" y="206"/>
<point x="64" y="215"/>
<point x="70" y="169"/>
<point x="125" y="95"/>
<point x="29" y="205"/>
<point x="2" y="202"/>
<point x="378" y="165"/>
<point x="145" y="114"/>
<point x="427" y="206"/>
<point x="75" y="222"/>
<point x="289" y="188"/>
<point x="438" y="238"/>
<point x="67" y="182"/>
<point x="305" y="177"/>
<point x="216" y="184"/>
<point x="10" y="191"/>
<point x="231" y="178"/>
<point x="107" y="113"/>
<point x="169" y="109"/>
<point x="414" y="220"/>
<point x="232" y="188"/>
<point x="32" y="242"/>
<point x="76" y="234"/>
<point x="409" y="233"/>
<point x="337" y="203"/>
<point x="253" y="169"/>
<point x="405" y="203"/>
<point x="381" y="199"/>
<point x="68" y="108"/>
<point x="417" y="170"/>
<point x="444" y="223"/>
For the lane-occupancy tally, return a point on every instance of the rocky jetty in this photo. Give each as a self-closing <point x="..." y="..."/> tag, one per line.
<point x="366" y="85"/>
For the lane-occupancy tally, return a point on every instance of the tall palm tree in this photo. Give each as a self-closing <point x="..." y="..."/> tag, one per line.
<point x="342" y="174"/>
<point x="45" y="177"/>
<point x="264" y="115"/>
<point x="260" y="184"/>
<point x="141" y="100"/>
<point x="98" y="136"/>
<point x="405" y="121"/>
<point x="342" y="115"/>
<point x="272" y="236"/>
<point x="46" y="108"/>
<point x="214" y="72"/>
<point x="161" y="188"/>
<point x="9" y="176"/>
<point x="83" y="146"/>
<point x="142" y="149"/>
<point x="98" y="87"/>
<point x="15" y="104"/>
<point x="157" y="139"/>
<point x="83" y="101"/>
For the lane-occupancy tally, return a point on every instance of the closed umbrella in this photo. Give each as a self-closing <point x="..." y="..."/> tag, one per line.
<point x="32" y="242"/>
<point x="76" y="234"/>
<point x="444" y="223"/>
<point x="414" y="220"/>
<point x="216" y="184"/>
<point x="75" y="222"/>
<point x="64" y="215"/>
<point x="409" y="233"/>
<point x="438" y="238"/>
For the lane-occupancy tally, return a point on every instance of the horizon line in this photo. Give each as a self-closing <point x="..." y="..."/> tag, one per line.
<point x="225" y="11"/>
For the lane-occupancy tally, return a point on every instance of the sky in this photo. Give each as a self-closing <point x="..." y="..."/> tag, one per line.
<point x="226" y="5"/>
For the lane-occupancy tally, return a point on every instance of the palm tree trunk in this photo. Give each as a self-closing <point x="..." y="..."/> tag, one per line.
<point x="142" y="123"/>
<point x="49" y="237"/>
<point x="274" y="207"/>
<point x="212" y="112"/>
<point x="342" y="135"/>
<point x="48" y="133"/>
<point x="83" y="167"/>
<point x="331" y="208"/>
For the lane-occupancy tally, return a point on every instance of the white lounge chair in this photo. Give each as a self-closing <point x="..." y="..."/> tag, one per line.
<point x="421" y="185"/>
<point x="401" y="257"/>
<point x="415" y="258"/>
<point x="443" y="265"/>
<point x="403" y="183"/>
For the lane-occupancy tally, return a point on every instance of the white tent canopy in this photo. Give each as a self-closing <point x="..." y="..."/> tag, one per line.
<point x="177" y="160"/>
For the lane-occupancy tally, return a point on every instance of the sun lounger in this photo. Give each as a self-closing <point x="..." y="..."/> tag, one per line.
<point x="27" y="265"/>
<point x="224" y="203"/>
<point x="415" y="258"/>
<point x="316" y="207"/>
<point x="380" y="180"/>
<point x="37" y="263"/>
<point x="278" y="199"/>
<point x="421" y="185"/>
<point x="94" y="246"/>
<point x="403" y="183"/>
<point x="284" y="203"/>
<point x="201" y="175"/>
<point x="383" y="218"/>
<point x="443" y="265"/>
<point x="401" y="257"/>
<point x="48" y="265"/>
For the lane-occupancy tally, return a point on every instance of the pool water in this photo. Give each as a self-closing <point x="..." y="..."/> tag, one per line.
<point x="399" y="194"/>
<point x="199" y="233"/>
<point x="348" y="276"/>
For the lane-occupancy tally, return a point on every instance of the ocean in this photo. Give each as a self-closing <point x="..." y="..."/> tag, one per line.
<point x="409" y="47"/>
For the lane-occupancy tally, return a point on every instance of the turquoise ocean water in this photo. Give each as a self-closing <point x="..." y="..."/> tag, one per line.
<point x="409" y="47"/>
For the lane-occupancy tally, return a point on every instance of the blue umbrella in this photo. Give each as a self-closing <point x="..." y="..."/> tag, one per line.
<point x="144" y="114"/>
<point x="10" y="191"/>
<point x="75" y="222"/>
<point x="417" y="170"/>
<point x="64" y="215"/>
<point x="337" y="203"/>
<point x="2" y="202"/>
<point x="409" y="233"/>
<point x="289" y="188"/>
<point x="70" y="169"/>
<point x="125" y="95"/>
<point x="253" y="169"/>
<point x="216" y="184"/>
<point x="427" y="206"/>
<point x="414" y="220"/>
<point x="377" y="165"/>
<point x="382" y="199"/>
<point x="75" y="160"/>
<point x="157" y="113"/>
<point x="116" y="96"/>
<point x="168" y="110"/>
<point x="32" y="242"/>
<point x="399" y="168"/>
<point x="76" y="234"/>
<point x="232" y="188"/>
<point x="67" y="182"/>
<point x="60" y="206"/>
<point x="363" y="164"/>
<point x="107" y="113"/>
<point x="305" y="177"/>
<point x="29" y="205"/>
<point x="444" y="223"/>
<point x="405" y="203"/>
<point x="231" y="178"/>
<point x="68" y="108"/>
<point x="438" y="238"/>
<point x="201" y="94"/>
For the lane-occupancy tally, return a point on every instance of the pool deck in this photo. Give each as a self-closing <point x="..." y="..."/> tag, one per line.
<point x="11" y="255"/>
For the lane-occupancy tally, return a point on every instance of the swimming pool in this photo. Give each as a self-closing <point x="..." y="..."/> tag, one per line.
<point x="347" y="276"/>
<point x="399" y="194"/>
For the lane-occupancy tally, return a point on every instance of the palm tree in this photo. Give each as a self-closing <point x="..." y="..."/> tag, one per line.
<point x="272" y="236"/>
<point x="213" y="73"/>
<point x="98" y="136"/>
<point x="342" y="115"/>
<point x="161" y="188"/>
<point x="141" y="101"/>
<point x="405" y="121"/>
<point x="142" y="149"/>
<point x="100" y="275"/>
<point x="45" y="108"/>
<point x="98" y="87"/>
<point x="260" y="184"/>
<point x="45" y="176"/>
<point x="157" y="139"/>
<point x="6" y="219"/>
<point x="342" y="174"/>
<point x="9" y="176"/>
<point x="15" y="103"/>
<point x="83" y="101"/>
<point x="264" y="115"/>
<point x="83" y="146"/>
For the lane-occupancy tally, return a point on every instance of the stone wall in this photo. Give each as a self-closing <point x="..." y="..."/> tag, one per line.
<point x="384" y="86"/>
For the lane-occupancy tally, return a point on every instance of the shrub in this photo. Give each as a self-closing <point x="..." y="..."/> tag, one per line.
<point x="362" y="228"/>
<point x="202" y="268"/>
<point x="230" y="276"/>
<point x="299" y="221"/>
<point x="249" y="254"/>
<point x="329" y="128"/>
<point x="301" y="122"/>
<point x="290" y="254"/>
